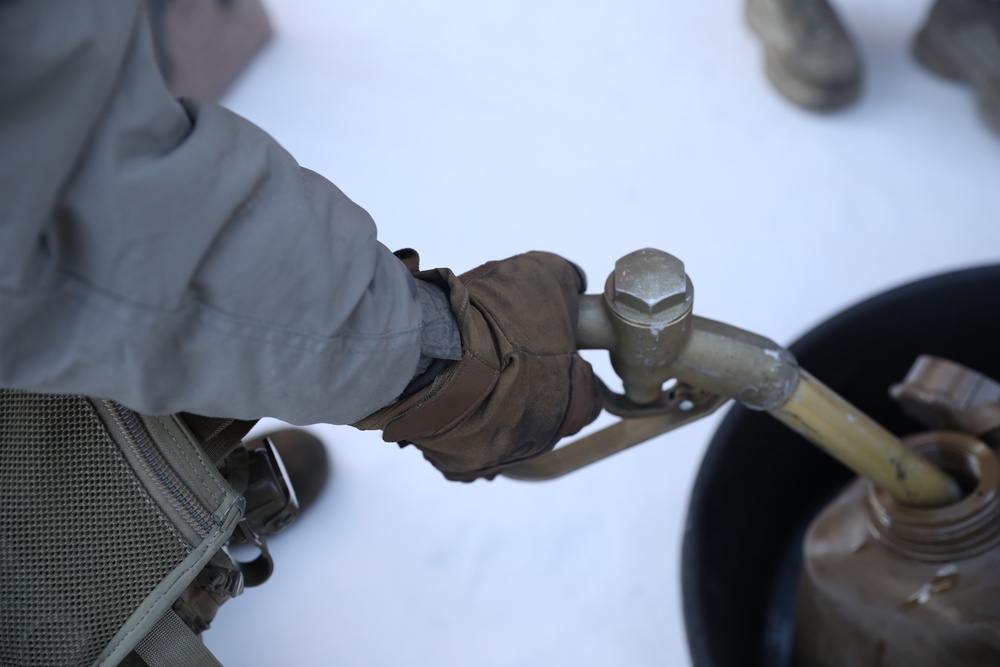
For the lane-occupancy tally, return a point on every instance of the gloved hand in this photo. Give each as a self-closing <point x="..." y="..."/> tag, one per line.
<point x="520" y="386"/>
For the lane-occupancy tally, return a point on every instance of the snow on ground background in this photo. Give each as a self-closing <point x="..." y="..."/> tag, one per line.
<point x="474" y="131"/>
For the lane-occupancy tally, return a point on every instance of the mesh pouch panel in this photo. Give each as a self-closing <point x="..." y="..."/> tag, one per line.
<point x="81" y="542"/>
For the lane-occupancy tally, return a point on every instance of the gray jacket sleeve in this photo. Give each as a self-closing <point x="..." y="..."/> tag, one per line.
<point x="169" y="254"/>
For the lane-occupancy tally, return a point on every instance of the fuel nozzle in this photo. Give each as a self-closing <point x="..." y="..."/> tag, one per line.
<point x="644" y="320"/>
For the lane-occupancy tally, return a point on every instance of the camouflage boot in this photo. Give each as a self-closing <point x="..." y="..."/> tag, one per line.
<point x="961" y="40"/>
<point x="808" y="56"/>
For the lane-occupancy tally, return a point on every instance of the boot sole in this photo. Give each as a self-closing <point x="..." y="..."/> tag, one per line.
<point x="806" y="94"/>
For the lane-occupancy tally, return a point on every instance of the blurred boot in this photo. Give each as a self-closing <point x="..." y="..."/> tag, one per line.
<point x="961" y="40"/>
<point x="808" y="56"/>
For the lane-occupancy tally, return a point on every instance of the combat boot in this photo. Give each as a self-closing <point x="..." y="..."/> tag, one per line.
<point x="305" y="460"/>
<point x="285" y="472"/>
<point x="961" y="40"/>
<point x="808" y="56"/>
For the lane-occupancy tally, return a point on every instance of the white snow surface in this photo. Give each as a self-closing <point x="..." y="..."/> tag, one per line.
<point x="473" y="132"/>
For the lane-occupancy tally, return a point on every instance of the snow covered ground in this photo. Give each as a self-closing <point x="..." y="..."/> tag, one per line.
<point x="591" y="128"/>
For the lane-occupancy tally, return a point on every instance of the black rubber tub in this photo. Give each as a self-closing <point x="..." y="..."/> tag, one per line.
<point x="760" y="484"/>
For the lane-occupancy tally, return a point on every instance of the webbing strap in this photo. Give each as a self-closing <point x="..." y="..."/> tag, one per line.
<point x="171" y="643"/>
<point x="218" y="436"/>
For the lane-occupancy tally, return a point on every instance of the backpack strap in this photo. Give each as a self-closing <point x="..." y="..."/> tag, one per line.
<point x="218" y="436"/>
<point x="171" y="642"/>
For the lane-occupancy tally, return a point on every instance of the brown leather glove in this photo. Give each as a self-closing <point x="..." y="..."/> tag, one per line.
<point x="520" y="386"/>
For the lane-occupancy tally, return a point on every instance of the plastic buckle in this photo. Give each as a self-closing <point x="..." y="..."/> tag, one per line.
<point x="221" y="581"/>
<point x="271" y="505"/>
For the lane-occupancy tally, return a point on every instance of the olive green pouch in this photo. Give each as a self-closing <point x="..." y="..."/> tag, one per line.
<point x="106" y="516"/>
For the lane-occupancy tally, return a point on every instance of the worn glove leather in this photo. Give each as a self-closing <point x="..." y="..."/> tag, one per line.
<point x="520" y="386"/>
